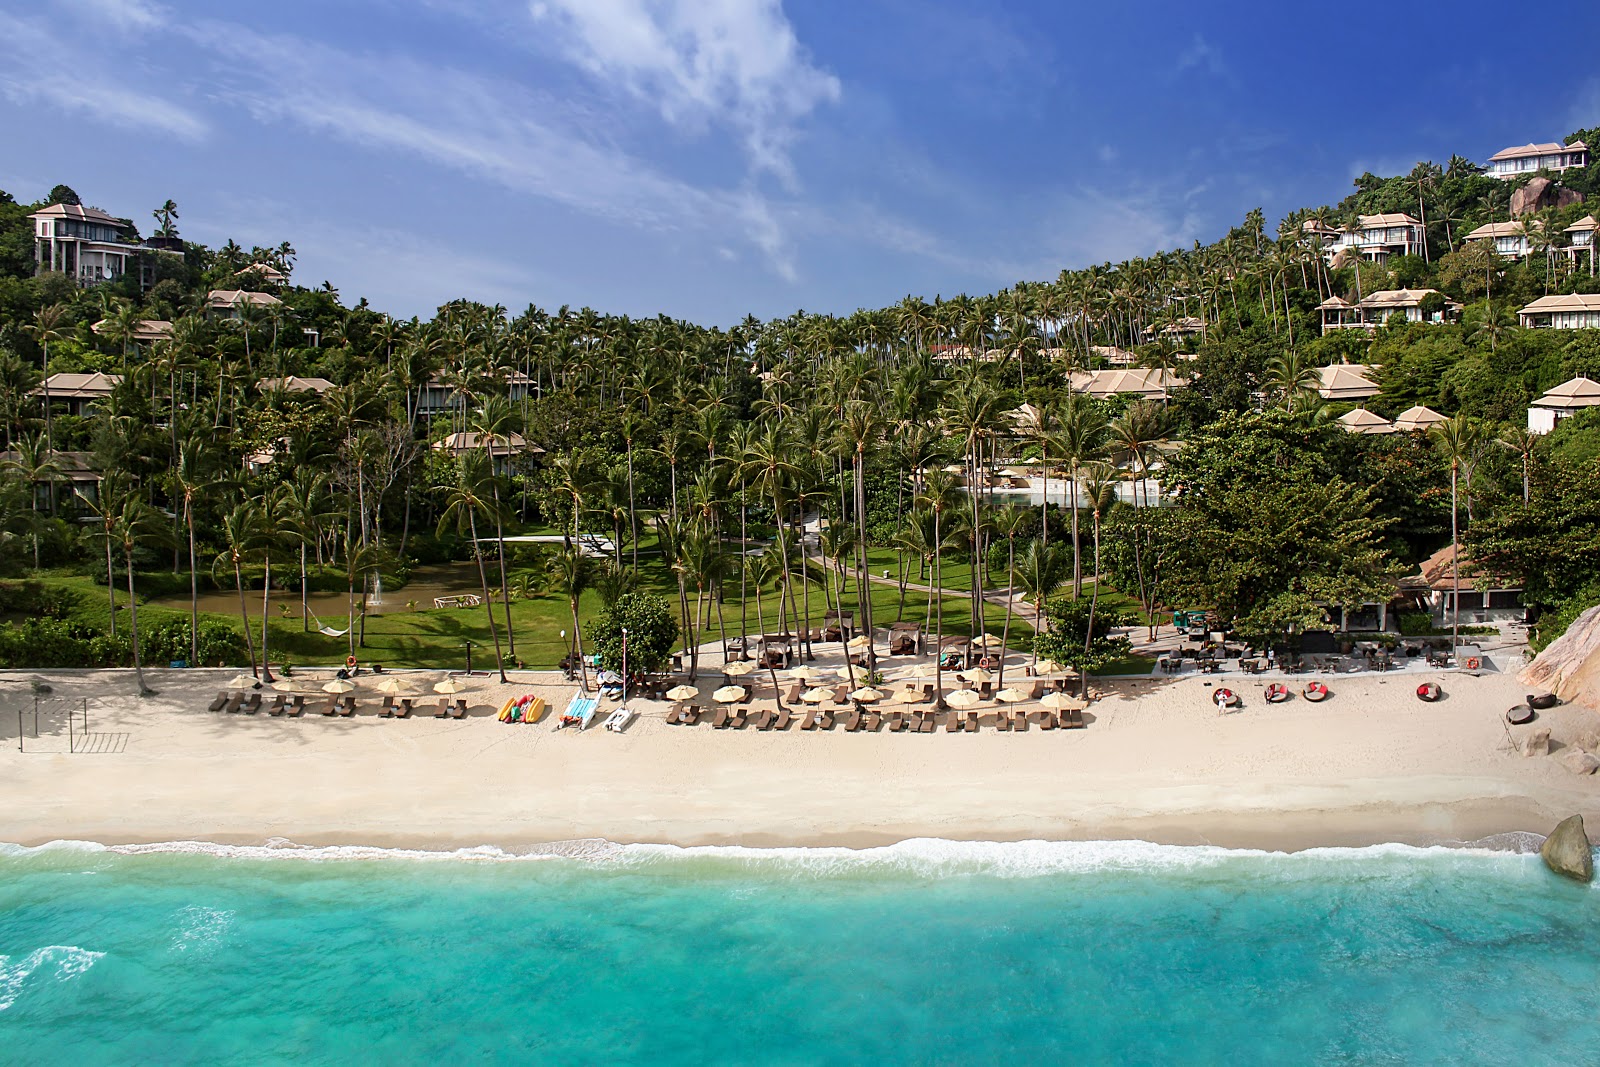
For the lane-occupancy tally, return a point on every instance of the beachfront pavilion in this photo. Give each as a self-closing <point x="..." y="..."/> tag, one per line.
<point x="1481" y="591"/>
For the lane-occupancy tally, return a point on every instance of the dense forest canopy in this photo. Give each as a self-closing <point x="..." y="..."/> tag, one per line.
<point x="686" y="446"/>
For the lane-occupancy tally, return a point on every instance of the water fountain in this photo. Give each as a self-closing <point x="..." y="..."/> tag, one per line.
<point x="375" y="593"/>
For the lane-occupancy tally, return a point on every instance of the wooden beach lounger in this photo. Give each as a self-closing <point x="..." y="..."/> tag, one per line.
<point x="852" y="721"/>
<point x="218" y="702"/>
<point x="297" y="706"/>
<point x="403" y="710"/>
<point x="386" y="709"/>
<point x="443" y="711"/>
<point x="871" y="721"/>
<point x="253" y="704"/>
<point x="459" y="710"/>
<point x="1047" y="720"/>
<point x="347" y="706"/>
<point x="329" y="706"/>
<point x="813" y="716"/>
<point x="276" y="707"/>
<point x="1072" y="719"/>
<point x="720" y="722"/>
<point x="952" y="722"/>
<point x="763" y="719"/>
<point x="783" y="720"/>
<point x="691" y="715"/>
<point x="841" y="695"/>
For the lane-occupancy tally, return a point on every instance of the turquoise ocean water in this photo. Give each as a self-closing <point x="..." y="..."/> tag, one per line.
<point x="924" y="952"/>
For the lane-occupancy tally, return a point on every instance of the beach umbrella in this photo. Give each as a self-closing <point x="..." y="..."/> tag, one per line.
<point x="867" y="695"/>
<point x="963" y="698"/>
<point x="927" y="670"/>
<point x="391" y="687"/>
<point x="816" y="696"/>
<point x="1062" y="702"/>
<point x="856" y="644"/>
<point x="738" y="668"/>
<point x="1009" y="695"/>
<point x="243" y="681"/>
<point x="805" y="673"/>
<point x="908" y="696"/>
<point x="288" y="685"/>
<point x="1046" y="666"/>
<point x="682" y="692"/>
<point x="728" y="694"/>
<point x="448" y="686"/>
<point x="988" y="641"/>
<point x="338" y="685"/>
<point x="976" y="674"/>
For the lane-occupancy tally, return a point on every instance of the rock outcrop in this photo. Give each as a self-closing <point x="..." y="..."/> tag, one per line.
<point x="1541" y="193"/>
<point x="1578" y="761"/>
<point x="1566" y="851"/>
<point x="1537" y="743"/>
<point x="1570" y="665"/>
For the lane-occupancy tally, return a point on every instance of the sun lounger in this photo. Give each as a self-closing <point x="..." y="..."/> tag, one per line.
<point x="252" y="704"/>
<point x="403" y="710"/>
<point x="986" y="691"/>
<point x="749" y="692"/>
<point x="218" y="702"/>
<point x="330" y="706"/>
<point x="785" y="717"/>
<point x="841" y="695"/>
<point x="720" y="721"/>
<point x="347" y="706"/>
<point x="1072" y="719"/>
<point x="737" y="717"/>
<point x="1047" y="720"/>
<point x="691" y="715"/>
<point x="871" y="721"/>
<point x="952" y="722"/>
<point x="276" y="706"/>
<point x="459" y="709"/>
<point x="793" y="695"/>
<point x="852" y="721"/>
<point x="813" y="717"/>
<point x="763" y="719"/>
<point x="929" y="721"/>
<point x="443" y="711"/>
<point x="972" y="722"/>
<point x="618" y="720"/>
<point x="386" y="709"/>
<point x="927" y="692"/>
<point x="1019" y="722"/>
<point x="297" y="706"/>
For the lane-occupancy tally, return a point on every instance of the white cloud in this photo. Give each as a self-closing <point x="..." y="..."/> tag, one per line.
<point x="37" y="67"/>
<point x="126" y="15"/>
<point x="1201" y="55"/>
<point x="731" y="62"/>
<point x="490" y="128"/>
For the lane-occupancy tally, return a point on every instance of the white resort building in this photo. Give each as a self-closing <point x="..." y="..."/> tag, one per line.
<point x="229" y="303"/>
<point x="1375" y="309"/>
<point x="1103" y="384"/>
<point x="82" y="242"/>
<point x="1571" y="311"/>
<point x="1511" y="163"/>
<point x="1563" y="401"/>
<point x="1375" y="238"/>
<point x="1510" y="238"/>
<point x="1581" y="240"/>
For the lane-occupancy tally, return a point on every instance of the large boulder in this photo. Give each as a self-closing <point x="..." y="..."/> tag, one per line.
<point x="1541" y="193"/>
<point x="1570" y="665"/>
<point x="1537" y="743"/>
<point x="1566" y="851"/>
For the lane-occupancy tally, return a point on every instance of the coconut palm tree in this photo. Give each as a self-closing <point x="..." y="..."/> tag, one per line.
<point x="939" y="495"/>
<point x="1040" y="570"/>
<point x="1100" y="493"/>
<point x="494" y="423"/>
<point x="49" y="325"/>
<point x="1081" y="439"/>
<point x="190" y="477"/>
<point x="1458" y="440"/>
<point x="238" y="535"/>
<point x="466" y="499"/>
<point x="1009" y="522"/>
<point x="1521" y="441"/>
<point x="136" y="524"/>
<point x="571" y="574"/>
<point x="34" y="465"/>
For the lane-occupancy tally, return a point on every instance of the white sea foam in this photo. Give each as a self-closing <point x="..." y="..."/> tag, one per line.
<point x="68" y="962"/>
<point x="921" y="857"/>
<point x="201" y="929"/>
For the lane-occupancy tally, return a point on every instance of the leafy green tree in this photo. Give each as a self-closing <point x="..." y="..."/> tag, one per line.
<point x="652" y="632"/>
<point x="1082" y="637"/>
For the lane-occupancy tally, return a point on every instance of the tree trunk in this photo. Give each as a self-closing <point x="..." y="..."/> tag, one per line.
<point x="488" y="605"/>
<point x="194" y="590"/>
<point x="133" y="626"/>
<point x="244" y="616"/>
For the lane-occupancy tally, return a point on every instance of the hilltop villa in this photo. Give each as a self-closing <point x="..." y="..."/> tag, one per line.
<point x="1564" y="400"/>
<point x="228" y="303"/>
<point x="1510" y="238"/>
<point x="1514" y="162"/>
<point x="1581" y="239"/>
<point x="1375" y="238"/>
<point x="1574" y="311"/>
<point x="1103" y="384"/>
<point x="1375" y="308"/>
<point x="79" y="392"/>
<point x="82" y="242"/>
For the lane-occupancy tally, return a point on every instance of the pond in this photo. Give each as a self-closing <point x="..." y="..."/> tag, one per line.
<point x="427" y="583"/>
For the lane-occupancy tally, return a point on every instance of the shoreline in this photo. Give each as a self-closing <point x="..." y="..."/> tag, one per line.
<point x="1156" y="763"/>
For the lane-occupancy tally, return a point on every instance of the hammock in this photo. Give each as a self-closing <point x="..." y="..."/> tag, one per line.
<point x="327" y="630"/>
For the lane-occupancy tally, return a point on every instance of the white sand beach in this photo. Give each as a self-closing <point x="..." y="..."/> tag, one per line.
<point x="1372" y="763"/>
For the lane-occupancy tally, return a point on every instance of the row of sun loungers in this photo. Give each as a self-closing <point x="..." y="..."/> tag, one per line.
<point x="868" y="719"/>
<point x="346" y="706"/>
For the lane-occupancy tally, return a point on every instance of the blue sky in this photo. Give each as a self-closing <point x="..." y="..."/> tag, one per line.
<point x="712" y="158"/>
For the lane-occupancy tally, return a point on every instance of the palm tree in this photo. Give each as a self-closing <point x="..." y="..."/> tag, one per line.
<point x="769" y="470"/>
<point x="1457" y="440"/>
<point x="1100" y="490"/>
<point x="239" y="534"/>
<point x="48" y="325"/>
<point x="1521" y="441"/>
<point x="34" y="465"/>
<point x="190" y="478"/>
<point x="938" y="495"/>
<point x="494" y="423"/>
<point x="1040" y="570"/>
<point x="571" y="573"/>
<point x="1009" y="523"/>
<point x="464" y="501"/>
<point x="1081" y="439"/>
<point x="136" y="523"/>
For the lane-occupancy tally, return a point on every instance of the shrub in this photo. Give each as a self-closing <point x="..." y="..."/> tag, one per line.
<point x="652" y="631"/>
